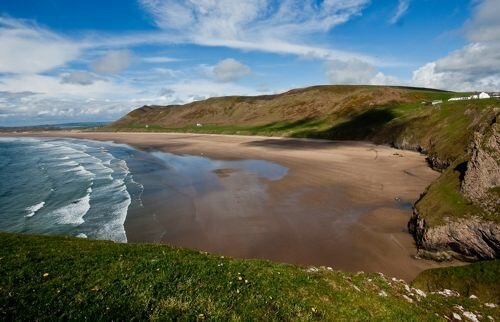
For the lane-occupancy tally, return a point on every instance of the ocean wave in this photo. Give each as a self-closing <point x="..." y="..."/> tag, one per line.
<point x="73" y="213"/>
<point x="32" y="210"/>
<point x="102" y="211"/>
<point x="68" y="163"/>
<point x="122" y="164"/>
<point x="82" y="171"/>
<point x="140" y="188"/>
<point x="114" y="228"/>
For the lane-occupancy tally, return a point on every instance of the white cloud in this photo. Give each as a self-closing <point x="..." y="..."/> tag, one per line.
<point x="78" y="77"/>
<point x="167" y="92"/>
<point x="189" y="90"/>
<point x="186" y="90"/>
<point x="113" y="62"/>
<point x="27" y="48"/>
<point x="229" y="70"/>
<point x="356" y="72"/>
<point x="167" y="72"/>
<point x="458" y="71"/>
<point x="485" y="23"/>
<point x="51" y="86"/>
<point x="264" y="25"/>
<point x="39" y="109"/>
<point x="476" y="66"/>
<point x="159" y="59"/>
<point x="402" y="9"/>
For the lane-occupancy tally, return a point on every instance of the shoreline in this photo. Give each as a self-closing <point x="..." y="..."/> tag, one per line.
<point x="335" y="207"/>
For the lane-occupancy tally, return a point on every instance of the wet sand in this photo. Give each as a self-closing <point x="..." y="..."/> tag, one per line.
<point x="340" y="204"/>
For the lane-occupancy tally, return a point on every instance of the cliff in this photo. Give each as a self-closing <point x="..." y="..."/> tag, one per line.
<point x="477" y="236"/>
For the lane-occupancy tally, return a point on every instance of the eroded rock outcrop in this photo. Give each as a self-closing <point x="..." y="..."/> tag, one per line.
<point x="464" y="239"/>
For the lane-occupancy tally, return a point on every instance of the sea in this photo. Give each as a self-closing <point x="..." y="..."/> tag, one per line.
<point x="86" y="188"/>
<point x="69" y="187"/>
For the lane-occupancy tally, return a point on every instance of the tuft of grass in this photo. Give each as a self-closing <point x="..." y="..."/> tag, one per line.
<point x="52" y="278"/>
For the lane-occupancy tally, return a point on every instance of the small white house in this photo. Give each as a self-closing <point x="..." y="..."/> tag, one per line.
<point x="199" y="124"/>
<point x="483" y="95"/>
<point x="437" y="102"/>
<point x="459" y="99"/>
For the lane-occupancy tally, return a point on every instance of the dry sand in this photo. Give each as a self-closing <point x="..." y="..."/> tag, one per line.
<point x="337" y="206"/>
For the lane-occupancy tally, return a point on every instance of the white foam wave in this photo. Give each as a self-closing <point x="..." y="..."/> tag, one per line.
<point x="68" y="163"/>
<point x="73" y="213"/>
<point x="141" y="190"/>
<point x="114" y="228"/>
<point x="33" y="209"/>
<point x="122" y="164"/>
<point x="110" y="198"/>
<point x="81" y="171"/>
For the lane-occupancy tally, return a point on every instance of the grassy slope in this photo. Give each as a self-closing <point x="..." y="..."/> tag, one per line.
<point x="480" y="279"/>
<point x="384" y="115"/>
<point x="49" y="278"/>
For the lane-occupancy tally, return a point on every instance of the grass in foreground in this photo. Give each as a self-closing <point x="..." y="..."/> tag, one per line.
<point x="47" y="278"/>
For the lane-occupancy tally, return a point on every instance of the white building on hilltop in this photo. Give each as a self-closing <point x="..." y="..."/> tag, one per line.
<point x="483" y="95"/>
<point x="480" y="96"/>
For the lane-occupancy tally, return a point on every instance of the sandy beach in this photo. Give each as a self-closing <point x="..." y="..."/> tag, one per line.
<point x="340" y="204"/>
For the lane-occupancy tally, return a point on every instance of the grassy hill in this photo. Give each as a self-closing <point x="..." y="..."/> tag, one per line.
<point x="392" y="115"/>
<point x="52" y="278"/>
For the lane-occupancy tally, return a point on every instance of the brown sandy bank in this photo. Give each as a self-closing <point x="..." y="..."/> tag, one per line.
<point x="341" y="204"/>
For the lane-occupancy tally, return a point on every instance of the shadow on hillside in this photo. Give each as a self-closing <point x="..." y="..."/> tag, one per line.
<point x="296" y="143"/>
<point x="287" y="126"/>
<point x="360" y="127"/>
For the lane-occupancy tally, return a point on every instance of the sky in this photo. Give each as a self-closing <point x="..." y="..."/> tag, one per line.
<point x="95" y="60"/>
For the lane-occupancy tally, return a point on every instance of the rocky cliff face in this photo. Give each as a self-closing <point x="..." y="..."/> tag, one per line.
<point x="482" y="178"/>
<point x="469" y="238"/>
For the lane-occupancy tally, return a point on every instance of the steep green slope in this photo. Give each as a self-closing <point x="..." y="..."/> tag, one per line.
<point x="51" y="278"/>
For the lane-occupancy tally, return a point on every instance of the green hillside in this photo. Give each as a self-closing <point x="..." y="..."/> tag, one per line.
<point x="53" y="278"/>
